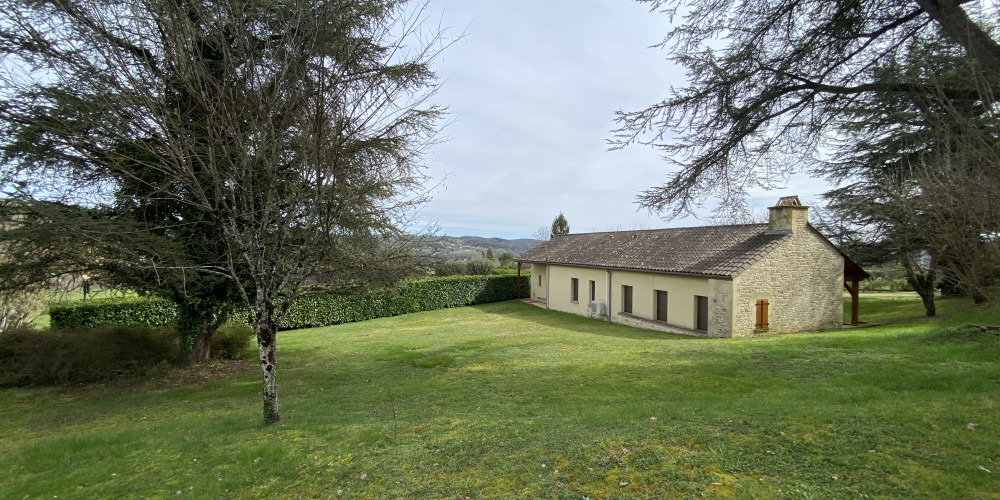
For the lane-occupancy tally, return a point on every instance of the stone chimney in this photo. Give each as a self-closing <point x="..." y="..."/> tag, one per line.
<point x="788" y="215"/>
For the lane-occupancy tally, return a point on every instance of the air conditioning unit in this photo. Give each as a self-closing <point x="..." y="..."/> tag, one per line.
<point x="597" y="307"/>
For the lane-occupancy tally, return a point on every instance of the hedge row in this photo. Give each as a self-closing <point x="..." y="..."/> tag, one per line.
<point x="132" y="311"/>
<point x="324" y="310"/>
<point x="415" y="296"/>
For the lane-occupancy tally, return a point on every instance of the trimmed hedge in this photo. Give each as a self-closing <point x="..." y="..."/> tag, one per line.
<point x="324" y="310"/>
<point x="131" y="311"/>
<point x="414" y="296"/>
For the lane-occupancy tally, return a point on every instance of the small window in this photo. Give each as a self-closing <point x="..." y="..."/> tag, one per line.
<point x="627" y="299"/>
<point x="574" y="290"/>
<point x="593" y="291"/>
<point x="539" y="280"/>
<point x="701" y="310"/>
<point x="661" y="305"/>
<point x="761" y="316"/>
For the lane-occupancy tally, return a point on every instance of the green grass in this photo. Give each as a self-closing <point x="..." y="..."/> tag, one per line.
<point x="510" y="401"/>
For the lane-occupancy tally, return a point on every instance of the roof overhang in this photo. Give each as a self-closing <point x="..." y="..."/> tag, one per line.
<point x="853" y="271"/>
<point x="629" y="269"/>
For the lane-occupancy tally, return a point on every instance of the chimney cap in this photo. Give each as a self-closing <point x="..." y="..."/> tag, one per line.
<point x="788" y="201"/>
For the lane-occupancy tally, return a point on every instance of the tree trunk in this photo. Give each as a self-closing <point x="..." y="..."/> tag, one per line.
<point x="197" y="321"/>
<point x="202" y="346"/>
<point x="189" y="329"/>
<point x="955" y="22"/>
<point x="922" y="282"/>
<point x="266" y="329"/>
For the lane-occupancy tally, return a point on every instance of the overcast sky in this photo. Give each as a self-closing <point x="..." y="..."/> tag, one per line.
<point x="532" y="90"/>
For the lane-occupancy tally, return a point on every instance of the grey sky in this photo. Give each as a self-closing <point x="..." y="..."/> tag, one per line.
<point x="532" y="90"/>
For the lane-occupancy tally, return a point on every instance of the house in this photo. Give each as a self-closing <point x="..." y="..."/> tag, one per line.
<point x="716" y="281"/>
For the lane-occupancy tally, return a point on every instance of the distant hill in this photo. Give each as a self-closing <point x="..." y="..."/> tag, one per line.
<point x="467" y="247"/>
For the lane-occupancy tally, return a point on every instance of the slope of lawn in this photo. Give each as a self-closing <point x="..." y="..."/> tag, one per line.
<point x="510" y="401"/>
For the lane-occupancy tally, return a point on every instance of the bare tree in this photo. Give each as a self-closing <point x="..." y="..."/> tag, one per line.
<point x="755" y="109"/>
<point x="290" y="133"/>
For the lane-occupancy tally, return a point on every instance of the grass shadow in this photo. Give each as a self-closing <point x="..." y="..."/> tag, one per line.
<point x="575" y="323"/>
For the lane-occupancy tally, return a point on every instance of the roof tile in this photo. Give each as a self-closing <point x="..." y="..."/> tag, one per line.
<point x="724" y="251"/>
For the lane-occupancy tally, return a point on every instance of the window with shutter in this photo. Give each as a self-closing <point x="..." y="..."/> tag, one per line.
<point x="761" y="316"/>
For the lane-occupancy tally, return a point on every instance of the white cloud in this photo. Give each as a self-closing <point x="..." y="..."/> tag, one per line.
<point x="532" y="91"/>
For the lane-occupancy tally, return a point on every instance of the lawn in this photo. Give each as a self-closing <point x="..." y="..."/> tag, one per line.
<point x="510" y="401"/>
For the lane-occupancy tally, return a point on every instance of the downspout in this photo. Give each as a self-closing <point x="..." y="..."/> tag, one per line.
<point x="607" y="295"/>
<point x="546" y="286"/>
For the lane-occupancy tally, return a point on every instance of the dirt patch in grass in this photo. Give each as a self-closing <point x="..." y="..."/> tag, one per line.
<point x="203" y="373"/>
<point x="169" y="376"/>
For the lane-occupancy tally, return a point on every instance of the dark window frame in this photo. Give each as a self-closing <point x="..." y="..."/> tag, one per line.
<point x="627" y="296"/>
<point x="701" y="313"/>
<point x="661" y="307"/>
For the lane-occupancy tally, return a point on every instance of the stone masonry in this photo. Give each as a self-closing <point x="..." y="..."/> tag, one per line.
<point x="802" y="280"/>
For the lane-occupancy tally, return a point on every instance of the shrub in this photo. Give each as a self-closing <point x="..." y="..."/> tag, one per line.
<point x="506" y="259"/>
<point x="232" y="341"/>
<point x="480" y="266"/>
<point x="449" y="268"/>
<point x="137" y="311"/>
<point x="73" y="355"/>
<point x="19" y="308"/>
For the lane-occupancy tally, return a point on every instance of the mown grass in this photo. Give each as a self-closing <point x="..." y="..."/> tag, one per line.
<point x="510" y="401"/>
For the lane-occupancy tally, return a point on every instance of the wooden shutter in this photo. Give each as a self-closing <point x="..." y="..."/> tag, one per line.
<point x="761" y="323"/>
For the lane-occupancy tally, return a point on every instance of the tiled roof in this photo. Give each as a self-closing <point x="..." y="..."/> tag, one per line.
<point x="724" y="251"/>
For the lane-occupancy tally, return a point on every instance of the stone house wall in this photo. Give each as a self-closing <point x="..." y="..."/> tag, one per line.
<point x="803" y="282"/>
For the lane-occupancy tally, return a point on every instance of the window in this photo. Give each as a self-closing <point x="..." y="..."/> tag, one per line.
<point x="661" y="305"/>
<point x="593" y="291"/>
<point x="761" y="316"/>
<point x="574" y="290"/>
<point x="627" y="299"/>
<point x="539" y="280"/>
<point x="701" y="311"/>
